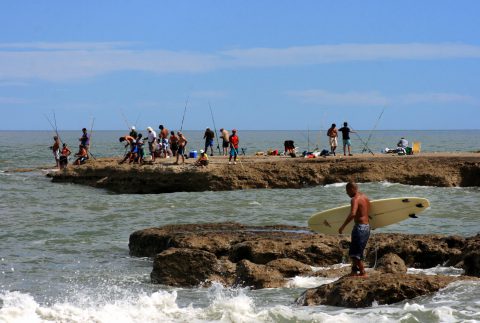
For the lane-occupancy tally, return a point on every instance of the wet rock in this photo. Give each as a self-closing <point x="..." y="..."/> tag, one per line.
<point x="471" y="259"/>
<point x="417" y="250"/>
<point x="391" y="263"/>
<point x="355" y="292"/>
<point x="258" y="276"/>
<point x="271" y="172"/>
<point x="289" y="267"/>
<point x="188" y="255"/>
<point x="188" y="267"/>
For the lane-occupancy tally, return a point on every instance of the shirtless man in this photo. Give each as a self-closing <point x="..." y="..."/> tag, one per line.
<point x="332" y="134"/>
<point x="360" y="206"/>
<point x="182" y="142"/>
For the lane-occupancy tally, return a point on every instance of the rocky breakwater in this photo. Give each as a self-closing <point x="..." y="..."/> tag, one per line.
<point x="268" y="257"/>
<point x="274" y="172"/>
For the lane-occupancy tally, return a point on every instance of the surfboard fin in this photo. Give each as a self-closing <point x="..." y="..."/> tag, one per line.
<point x="405" y="200"/>
<point x="419" y="205"/>
<point x="413" y="216"/>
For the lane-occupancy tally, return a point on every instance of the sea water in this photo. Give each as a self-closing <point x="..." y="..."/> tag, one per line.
<point x="64" y="247"/>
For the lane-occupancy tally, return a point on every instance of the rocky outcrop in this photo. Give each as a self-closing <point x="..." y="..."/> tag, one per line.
<point x="380" y="288"/>
<point x="235" y="254"/>
<point x="275" y="172"/>
<point x="392" y="264"/>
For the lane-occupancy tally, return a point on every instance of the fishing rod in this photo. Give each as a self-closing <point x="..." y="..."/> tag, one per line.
<point x="184" y="112"/>
<point x="54" y="128"/>
<point x="363" y="143"/>
<point x="125" y="119"/>
<point x="371" y="132"/>
<point x="215" y="128"/>
<point x="90" y="139"/>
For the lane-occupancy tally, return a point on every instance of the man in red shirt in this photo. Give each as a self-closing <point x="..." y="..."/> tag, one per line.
<point x="233" y="147"/>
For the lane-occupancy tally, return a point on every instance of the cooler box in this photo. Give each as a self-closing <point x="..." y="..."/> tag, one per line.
<point x="193" y="154"/>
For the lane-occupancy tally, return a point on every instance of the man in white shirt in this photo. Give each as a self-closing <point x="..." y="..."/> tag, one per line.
<point x="152" y="137"/>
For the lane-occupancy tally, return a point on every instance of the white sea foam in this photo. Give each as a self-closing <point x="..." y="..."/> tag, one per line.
<point x="308" y="282"/>
<point x="438" y="270"/>
<point x="336" y="185"/>
<point x="254" y="203"/>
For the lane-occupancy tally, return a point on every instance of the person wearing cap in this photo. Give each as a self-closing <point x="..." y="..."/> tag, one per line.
<point x="208" y="136"/>
<point x="182" y="143"/>
<point x="133" y="133"/>
<point x="152" y="137"/>
<point x="202" y="159"/>
<point x="234" y="141"/>
<point x="225" y="140"/>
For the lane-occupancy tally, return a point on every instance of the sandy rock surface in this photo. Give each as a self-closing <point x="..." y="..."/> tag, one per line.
<point x="434" y="169"/>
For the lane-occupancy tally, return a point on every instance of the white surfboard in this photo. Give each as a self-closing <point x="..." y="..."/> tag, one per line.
<point x="382" y="213"/>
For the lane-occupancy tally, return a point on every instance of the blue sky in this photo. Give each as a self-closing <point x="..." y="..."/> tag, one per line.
<point x="259" y="64"/>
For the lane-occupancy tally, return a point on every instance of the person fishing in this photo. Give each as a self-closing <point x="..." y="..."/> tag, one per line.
<point x="82" y="155"/>
<point x="359" y="210"/>
<point x="56" y="150"/>
<point x="63" y="162"/>
<point x="234" y="141"/>
<point x="208" y="136"/>
<point x="225" y="140"/>
<point x="152" y="137"/>
<point x="173" y="142"/>
<point x="345" y="130"/>
<point x="332" y="134"/>
<point x="164" y="142"/>
<point x="85" y="139"/>
<point x="182" y="143"/>
<point x="133" y="132"/>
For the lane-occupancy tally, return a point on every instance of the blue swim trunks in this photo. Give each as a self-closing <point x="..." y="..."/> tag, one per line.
<point x="360" y="235"/>
<point x="346" y="142"/>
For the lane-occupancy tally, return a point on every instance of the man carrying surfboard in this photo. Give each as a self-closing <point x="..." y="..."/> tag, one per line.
<point x="359" y="210"/>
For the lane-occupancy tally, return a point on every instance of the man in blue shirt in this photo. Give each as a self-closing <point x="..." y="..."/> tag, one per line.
<point x="346" y="138"/>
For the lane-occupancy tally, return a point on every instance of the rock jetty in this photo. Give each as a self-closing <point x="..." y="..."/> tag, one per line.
<point x="441" y="169"/>
<point x="267" y="257"/>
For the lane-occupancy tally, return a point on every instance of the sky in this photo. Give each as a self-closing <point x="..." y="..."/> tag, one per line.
<point x="252" y="64"/>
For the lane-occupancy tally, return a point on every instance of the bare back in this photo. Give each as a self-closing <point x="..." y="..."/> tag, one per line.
<point x="360" y="208"/>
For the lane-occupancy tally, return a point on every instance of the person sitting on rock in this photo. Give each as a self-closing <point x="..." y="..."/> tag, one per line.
<point x="202" y="159"/>
<point x="82" y="155"/>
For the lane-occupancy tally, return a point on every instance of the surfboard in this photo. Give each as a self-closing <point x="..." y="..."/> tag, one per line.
<point x="382" y="213"/>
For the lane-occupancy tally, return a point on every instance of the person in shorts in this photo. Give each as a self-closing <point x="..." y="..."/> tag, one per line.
<point x="225" y="141"/>
<point x="332" y="134"/>
<point x="345" y="130"/>
<point x="182" y="143"/>
<point x="360" y="207"/>
<point x="208" y="136"/>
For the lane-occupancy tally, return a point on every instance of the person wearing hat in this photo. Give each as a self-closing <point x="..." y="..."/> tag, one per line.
<point x="225" y="143"/>
<point x="152" y="137"/>
<point x="202" y="159"/>
<point x="133" y="133"/>
<point x="234" y="141"/>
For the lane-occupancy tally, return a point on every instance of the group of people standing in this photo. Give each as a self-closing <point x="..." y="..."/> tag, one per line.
<point x="61" y="154"/>
<point x="168" y="144"/>
<point x="332" y="134"/>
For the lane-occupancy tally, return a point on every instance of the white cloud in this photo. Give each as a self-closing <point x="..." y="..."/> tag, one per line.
<point x="73" y="60"/>
<point x="347" y="98"/>
<point x="373" y="98"/>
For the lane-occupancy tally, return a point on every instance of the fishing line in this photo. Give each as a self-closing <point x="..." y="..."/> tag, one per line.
<point x="215" y="128"/>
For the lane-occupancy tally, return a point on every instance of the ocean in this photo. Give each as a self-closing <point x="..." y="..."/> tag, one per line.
<point x="64" y="247"/>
